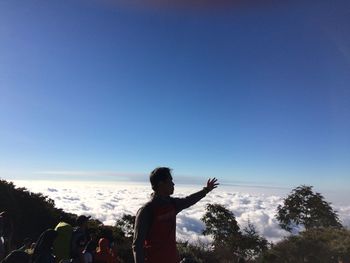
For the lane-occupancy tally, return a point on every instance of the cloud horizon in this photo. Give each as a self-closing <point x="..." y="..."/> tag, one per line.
<point x="107" y="202"/>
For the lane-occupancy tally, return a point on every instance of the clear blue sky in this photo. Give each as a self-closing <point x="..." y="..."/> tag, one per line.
<point x="248" y="93"/>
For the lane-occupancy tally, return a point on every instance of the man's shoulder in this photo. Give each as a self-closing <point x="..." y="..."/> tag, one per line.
<point x="146" y="207"/>
<point x="154" y="202"/>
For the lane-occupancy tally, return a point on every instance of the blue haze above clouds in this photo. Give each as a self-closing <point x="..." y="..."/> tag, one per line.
<point x="251" y="94"/>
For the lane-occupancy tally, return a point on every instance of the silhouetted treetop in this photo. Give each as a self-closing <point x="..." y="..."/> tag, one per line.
<point x="307" y="208"/>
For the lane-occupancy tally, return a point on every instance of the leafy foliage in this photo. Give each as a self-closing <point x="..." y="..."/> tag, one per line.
<point x="252" y="243"/>
<point x="321" y="245"/>
<point x="220" y="223"/>
<point x="231" y="244"/>
<point x="124" y="231"/>
<point x="196" y="253"/>
<point x="30" y="213"/>
<point x="304" y="207"/>
<point x="126" y="224"/>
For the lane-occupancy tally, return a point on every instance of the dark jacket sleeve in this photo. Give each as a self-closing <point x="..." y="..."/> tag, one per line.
<point x="182" y="203"/>
<point x="142" y="226"/>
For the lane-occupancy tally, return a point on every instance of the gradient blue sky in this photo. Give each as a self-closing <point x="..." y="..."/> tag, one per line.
<point x="255" y="93"/>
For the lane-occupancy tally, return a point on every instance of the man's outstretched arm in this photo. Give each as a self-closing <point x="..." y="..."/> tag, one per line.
<point x="183" y="203"/>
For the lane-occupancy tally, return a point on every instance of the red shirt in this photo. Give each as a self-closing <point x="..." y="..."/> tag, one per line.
<point x="160" y="242"/>
<point x="155" y="228"/>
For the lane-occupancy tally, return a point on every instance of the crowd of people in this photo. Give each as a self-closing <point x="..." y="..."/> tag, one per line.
<point x="154" y="233"/>
<point x="63" y="244"/>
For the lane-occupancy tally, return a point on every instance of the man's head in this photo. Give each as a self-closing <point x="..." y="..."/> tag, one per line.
<point x="162" y="181"/>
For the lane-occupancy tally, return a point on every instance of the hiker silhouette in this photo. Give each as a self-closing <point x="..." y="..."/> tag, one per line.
<point x="43" y="248"/>
<point x="155" y="225"/>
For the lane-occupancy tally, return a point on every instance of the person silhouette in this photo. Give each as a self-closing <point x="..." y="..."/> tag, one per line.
<point x="155" y="224"/>
<point x="80" y="236"/>
<point x="6" y="232"/>
<point x="104" y="253"/>
<point x="43" y="248"/>
<point x="62" y="244"/>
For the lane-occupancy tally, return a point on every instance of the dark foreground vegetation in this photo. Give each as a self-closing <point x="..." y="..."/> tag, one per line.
<point x="323" y="239"/>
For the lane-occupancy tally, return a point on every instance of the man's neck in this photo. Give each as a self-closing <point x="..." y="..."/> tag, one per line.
<point x="160" y="194"/>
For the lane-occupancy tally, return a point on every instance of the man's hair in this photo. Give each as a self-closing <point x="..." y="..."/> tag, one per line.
<point x="158" y="175"/>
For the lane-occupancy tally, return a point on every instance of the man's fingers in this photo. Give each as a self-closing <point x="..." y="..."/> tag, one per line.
<point x="212" y="183"/>
<point x="214" y="180"/>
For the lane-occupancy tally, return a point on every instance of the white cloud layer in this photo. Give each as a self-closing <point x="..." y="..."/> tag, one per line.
<point x="109" y="201"/>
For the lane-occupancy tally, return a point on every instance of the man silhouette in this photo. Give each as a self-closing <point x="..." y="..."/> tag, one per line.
<point x="155" y="224"/>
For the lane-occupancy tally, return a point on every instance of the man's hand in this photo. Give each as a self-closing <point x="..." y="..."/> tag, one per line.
<point x="211" y="184"/>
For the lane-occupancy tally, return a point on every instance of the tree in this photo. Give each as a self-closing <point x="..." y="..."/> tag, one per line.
<point x="126" y="223"/>
<point x="321" y="245"/>
<point x="230" y="244"/>
<point x="123" y="232"/>
<point x="306" y="208"/>
<point x="29" y="213"/>
<point x="195" y="253"/>
<point x="252" y="243"/>
<point x="221" y="224"/>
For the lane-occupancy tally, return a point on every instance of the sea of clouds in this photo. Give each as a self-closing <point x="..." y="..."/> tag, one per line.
<point x="108" y="201"/>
